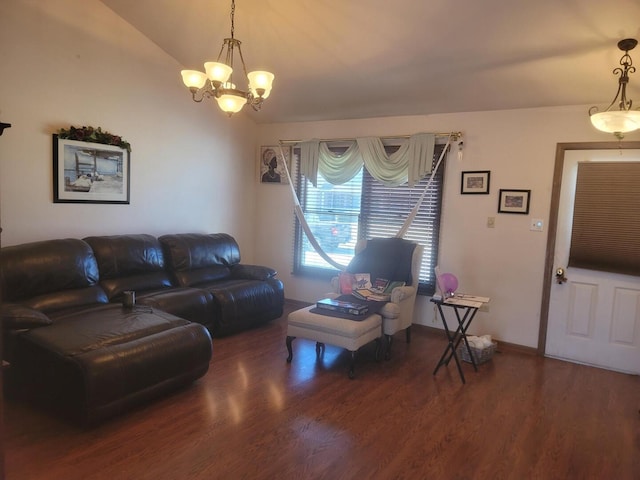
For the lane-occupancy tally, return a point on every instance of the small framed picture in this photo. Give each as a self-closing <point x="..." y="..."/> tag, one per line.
<point x="272" y="169"/>
<point x="475" y="182"/>
<point x="514" y="201"/>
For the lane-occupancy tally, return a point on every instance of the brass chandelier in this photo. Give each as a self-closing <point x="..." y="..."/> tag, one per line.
<point x="624" y="118"/>
<point x="217" y="82"/>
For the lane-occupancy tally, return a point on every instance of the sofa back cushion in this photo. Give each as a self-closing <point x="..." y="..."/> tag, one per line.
<point x="51" y="274"/>
<point x="196" y="258"/>
<point x="129" y="262"/>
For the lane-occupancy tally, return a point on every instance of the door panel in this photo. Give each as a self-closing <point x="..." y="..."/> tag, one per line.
<point x="582" y="299"/>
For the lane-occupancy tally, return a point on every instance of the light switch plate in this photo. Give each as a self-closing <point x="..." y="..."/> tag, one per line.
<point x="537" y="225"/>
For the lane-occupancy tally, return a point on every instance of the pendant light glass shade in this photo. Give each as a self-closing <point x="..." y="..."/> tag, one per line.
<point x="230" y="103"/>
<point x="218" y="72"/>
<point x="260" y="83"/>
<point x="616" y="121"/>
<point x="193" y="78"/>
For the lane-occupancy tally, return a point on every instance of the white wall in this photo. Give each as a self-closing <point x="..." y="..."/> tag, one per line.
<point x="75" y="62"/>
<point x="505" y="263"/>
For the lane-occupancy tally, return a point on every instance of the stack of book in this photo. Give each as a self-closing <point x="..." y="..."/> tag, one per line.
<point x="376" y="292"/>
<point x="341" y="306"/>
<point x="371" y="294"/>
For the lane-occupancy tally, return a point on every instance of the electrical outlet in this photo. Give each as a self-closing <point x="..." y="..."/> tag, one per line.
<point x="491" y="222"/>
<point x="537" y="225"/>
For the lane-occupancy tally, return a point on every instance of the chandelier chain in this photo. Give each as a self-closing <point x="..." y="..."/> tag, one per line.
<point x="233" y="12"/>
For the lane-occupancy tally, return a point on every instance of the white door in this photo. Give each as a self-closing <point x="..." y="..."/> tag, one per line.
<point x="594" y="317"/>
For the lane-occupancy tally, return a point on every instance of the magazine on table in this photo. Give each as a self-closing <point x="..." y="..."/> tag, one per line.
<point x="371" y="295"/>
<point x="342" y="306"/>
<point x="377" y="292"/>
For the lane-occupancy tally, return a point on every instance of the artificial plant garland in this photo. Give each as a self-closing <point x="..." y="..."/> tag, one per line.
<point x="95" y="135"/>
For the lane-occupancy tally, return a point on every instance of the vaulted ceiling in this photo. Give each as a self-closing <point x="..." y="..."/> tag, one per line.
<point x="343" y="59"/>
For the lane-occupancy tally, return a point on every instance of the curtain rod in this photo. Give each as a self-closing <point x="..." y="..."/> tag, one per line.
<point x="454" y="137"/>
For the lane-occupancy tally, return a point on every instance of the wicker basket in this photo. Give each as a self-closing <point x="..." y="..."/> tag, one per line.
<point x="479" y="355"/>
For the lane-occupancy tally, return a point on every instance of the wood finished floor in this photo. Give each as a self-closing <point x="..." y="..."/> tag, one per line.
<point x="253" y="416"/>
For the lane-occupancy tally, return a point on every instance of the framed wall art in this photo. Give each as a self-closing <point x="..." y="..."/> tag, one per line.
<point x="271" y="168"/>
<point x="514" y="201"/>
<point x="475" y="182"/>
<point x="88" y="172"/>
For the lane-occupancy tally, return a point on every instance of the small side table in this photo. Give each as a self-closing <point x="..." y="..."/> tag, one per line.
<point x="465" y="310"/>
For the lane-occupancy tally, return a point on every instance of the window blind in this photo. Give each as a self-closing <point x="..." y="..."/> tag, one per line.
<point x="606" y="220"/>
<point x="384" y="210"/>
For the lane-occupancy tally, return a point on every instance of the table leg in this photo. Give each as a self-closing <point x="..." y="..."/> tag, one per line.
<point x="459" y="335"/>
<point x="451" y="348"/>
<point x="463" y="325"/>
<point x="289" y="349"/>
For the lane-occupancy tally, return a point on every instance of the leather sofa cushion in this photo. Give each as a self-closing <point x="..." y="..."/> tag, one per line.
<point x="129" y="262"/>
<point x="241" y="304"/>
<point x="81" y="331"/>
<point x="51" y="266"/>
<point x="191" y="303"/>
<point x="201" y="276"/>
<point x="196" y="258"/>
<point x="138" y="283"/>
<point x="68" y="299"/>
<point x="96" y="363"/>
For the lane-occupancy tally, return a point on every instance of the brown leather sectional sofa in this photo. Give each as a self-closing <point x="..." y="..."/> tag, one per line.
<point x="74" y="347"/>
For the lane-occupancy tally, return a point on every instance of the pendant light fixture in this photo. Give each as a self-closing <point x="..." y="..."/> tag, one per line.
<point x="623" y="119"/>
<point x="218" y="81"/>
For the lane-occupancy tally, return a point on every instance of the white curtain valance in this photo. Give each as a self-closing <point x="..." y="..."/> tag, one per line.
<point x="410" y="163"/>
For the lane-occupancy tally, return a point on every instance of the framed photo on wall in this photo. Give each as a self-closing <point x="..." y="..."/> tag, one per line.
<point x="86" y="172"/>
<point x="475" y="182"/>
<point x="514" y="201"/>
<point x="272" y="169"/>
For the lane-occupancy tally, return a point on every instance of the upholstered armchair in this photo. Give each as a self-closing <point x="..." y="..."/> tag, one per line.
<point x="397" y="260"/>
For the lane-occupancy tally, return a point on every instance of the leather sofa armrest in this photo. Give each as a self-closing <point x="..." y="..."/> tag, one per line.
<point x="252" y="272"/>
<point x="399" y="294"/>
<point x="19" y="317"/>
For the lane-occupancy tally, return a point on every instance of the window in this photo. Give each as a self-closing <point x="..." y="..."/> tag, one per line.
<point x="364" y="208"/>
<point x="606" y="226"/>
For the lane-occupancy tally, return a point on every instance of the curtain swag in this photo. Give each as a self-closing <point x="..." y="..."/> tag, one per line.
<point x="410" y="163"/>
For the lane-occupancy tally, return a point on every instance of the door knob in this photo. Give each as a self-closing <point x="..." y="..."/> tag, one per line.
<point x="560" y="276"/>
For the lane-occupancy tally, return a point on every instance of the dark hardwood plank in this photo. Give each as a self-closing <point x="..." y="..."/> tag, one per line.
<point x="254" y="416"/>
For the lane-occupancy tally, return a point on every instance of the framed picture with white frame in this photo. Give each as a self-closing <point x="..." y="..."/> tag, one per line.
<point x="272" y="169"/>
